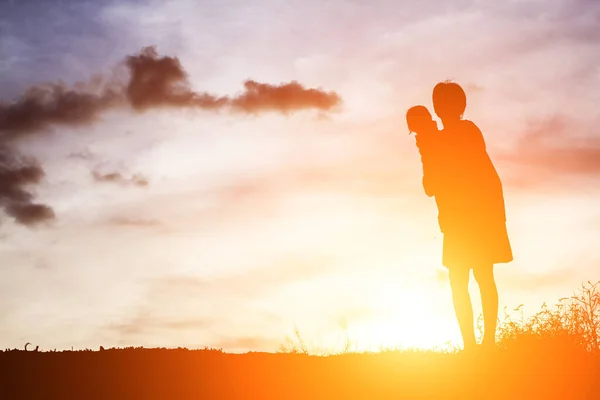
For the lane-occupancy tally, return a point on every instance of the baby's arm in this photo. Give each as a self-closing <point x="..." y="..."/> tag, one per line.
<point x="423" y="141"/>
<point x="427" y="145"/>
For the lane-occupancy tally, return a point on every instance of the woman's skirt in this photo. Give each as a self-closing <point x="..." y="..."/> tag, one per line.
<point x="473" y="246"/>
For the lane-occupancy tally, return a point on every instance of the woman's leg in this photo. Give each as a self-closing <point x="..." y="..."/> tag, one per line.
<point x="459" y="283"/>
<point x="484" y="275"/>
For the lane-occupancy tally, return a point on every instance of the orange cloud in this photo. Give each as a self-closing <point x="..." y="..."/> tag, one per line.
<point x="549" y="151"/>
<point x="286" y="98"/>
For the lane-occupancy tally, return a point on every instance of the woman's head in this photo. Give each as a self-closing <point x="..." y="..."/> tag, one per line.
<point x="419" y="119"/>
<point x="449" y="100"/>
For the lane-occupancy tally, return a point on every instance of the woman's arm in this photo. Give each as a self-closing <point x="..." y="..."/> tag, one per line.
<point x="429" y="185"/>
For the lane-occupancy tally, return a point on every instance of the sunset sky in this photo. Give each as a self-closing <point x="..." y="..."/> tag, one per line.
<point x="174" y="220"/>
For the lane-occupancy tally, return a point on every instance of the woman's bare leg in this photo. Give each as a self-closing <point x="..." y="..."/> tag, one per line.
<point x="484" y="276"/>
<point x="459" y="283"/>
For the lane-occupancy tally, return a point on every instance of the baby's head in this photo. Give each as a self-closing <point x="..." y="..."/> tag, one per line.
<point x="419" y="120"/>
<point x="449" y="100"/>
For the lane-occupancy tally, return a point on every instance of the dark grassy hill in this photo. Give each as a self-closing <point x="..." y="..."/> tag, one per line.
<point x="553" y="355"/>
<point x="538" y="373"/>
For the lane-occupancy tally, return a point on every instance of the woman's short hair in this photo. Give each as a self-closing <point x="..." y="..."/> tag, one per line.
<point x="449" y="99"/>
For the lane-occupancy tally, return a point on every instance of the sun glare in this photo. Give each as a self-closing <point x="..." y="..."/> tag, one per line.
<point x="399" y="317"/>
<point x="404" y="317"/>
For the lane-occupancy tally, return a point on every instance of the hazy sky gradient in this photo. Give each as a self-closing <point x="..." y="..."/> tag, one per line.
<point x="252" y="224"/>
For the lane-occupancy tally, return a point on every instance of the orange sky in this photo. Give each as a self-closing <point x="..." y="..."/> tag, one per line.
<point x="252" y="224"/>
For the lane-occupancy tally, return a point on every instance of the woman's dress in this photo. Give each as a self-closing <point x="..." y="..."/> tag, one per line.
<point x="468" y="191"/>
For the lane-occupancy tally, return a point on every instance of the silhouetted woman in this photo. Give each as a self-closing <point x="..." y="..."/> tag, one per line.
<point x="471" y="210"/>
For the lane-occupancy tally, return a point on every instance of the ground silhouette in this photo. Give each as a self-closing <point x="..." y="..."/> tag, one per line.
<point x="554" y="354"/>
<point x="138" y="373"/>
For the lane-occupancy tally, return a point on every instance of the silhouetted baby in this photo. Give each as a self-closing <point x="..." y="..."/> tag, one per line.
<point x="420" y="121"/>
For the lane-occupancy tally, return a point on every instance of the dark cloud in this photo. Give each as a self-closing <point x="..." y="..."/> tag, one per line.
<point x="152" y="82"/>
<point x="55" y="104"/>
<point x="16" y="174"/>
<point x="162" y="82"/>
<point x="118" y="178"/>
<point x="30" y="214"/>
